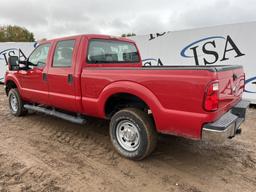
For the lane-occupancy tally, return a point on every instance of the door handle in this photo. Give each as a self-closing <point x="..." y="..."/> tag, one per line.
<point x="70" y="78"/>
<point x="44" y="77"/>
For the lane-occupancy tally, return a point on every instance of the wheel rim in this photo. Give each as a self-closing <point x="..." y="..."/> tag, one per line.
<point x="128" y="136"/>
<point x="14" y="103"/>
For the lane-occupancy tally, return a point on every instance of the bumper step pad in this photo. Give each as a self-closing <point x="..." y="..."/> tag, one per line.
<point x="228" y="125"/>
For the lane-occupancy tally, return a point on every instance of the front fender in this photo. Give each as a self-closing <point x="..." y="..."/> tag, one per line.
<point x="11" y="77"/>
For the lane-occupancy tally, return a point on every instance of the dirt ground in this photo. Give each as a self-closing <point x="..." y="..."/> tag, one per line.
<point x="42" y="153"/>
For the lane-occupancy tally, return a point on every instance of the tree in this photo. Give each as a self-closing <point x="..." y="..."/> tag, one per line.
<point x="15" y="33"/>
<point x="128" y="35"/>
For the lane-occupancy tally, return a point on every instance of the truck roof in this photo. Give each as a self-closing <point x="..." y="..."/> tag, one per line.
<point x="91" y="36"/>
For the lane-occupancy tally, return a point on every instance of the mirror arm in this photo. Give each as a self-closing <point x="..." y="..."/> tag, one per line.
<point x="29" y="63"/>
<point x="23" y="62"/>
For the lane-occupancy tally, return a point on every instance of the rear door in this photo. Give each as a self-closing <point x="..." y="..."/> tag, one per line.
<point x="61" y="75"/>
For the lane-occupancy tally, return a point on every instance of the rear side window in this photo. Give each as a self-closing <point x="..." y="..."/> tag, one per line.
<point x="63" y="53"/>
<point x="110" y="51"/>
<point x="39" y="56"/>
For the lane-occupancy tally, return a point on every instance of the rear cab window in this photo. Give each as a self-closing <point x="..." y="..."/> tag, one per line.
<point x="102" y="51"/>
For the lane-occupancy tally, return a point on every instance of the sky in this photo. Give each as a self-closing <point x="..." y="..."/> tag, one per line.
<point x="55" y="18"/>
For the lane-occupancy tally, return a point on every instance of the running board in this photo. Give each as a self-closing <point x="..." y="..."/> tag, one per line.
<point x="52" y="112"/>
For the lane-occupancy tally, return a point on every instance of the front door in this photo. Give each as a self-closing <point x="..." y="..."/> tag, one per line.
<point x="61" y="75"/>
<point x="33" y="83"/>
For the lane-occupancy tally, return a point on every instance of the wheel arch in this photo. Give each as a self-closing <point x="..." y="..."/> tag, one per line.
<point x="11" y="83"/>
<point x="133" y="89"/>
<point x="122" y="100"/>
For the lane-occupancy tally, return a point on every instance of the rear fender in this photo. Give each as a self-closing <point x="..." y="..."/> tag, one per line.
<point x="131" y="88"/>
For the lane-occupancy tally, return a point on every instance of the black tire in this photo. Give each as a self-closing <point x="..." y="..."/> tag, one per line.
<point x="20" y="110"/>
<point x="145" y="129"/>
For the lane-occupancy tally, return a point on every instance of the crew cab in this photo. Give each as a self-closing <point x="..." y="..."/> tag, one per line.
<point x="102" y="76"/>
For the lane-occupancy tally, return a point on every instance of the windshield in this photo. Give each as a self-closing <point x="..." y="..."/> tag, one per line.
<point x="110" y="51"/>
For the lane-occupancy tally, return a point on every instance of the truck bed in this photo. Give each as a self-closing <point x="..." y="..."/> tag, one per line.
<point x="212" y="68"/>
<point x="174" y="90"/>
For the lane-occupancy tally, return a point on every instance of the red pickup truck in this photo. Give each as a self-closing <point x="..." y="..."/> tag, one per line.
<point x="103" y="76"/>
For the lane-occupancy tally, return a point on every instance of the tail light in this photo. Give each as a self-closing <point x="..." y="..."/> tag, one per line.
<point x="211" y="99"/>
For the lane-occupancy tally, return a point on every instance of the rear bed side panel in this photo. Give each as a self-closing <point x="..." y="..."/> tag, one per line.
<point x="174" y="96"/>
<point x="231" y="85"/>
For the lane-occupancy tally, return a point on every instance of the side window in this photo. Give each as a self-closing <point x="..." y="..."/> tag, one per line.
<point x="63" y="53"/>
<point x="39" y="55"/>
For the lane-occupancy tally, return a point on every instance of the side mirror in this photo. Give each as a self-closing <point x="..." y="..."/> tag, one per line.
<point x="13" y="62"/>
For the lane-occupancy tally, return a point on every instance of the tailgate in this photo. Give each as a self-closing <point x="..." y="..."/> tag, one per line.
<point x="231" y="85"/>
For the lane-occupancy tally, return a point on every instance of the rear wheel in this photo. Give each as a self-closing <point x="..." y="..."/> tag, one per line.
<point x="133" y="133"/>
<point x="16" y="103"/>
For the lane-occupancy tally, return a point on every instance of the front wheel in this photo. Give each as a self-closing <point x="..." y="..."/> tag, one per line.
<point x="133" y="133"/>
<point x="16" y="103"/>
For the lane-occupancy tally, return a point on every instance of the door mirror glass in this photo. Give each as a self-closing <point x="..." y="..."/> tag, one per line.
<point x="13" y="62"/>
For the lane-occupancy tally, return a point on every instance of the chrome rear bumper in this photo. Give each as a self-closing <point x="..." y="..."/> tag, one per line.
<point x="227" y="126"/>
